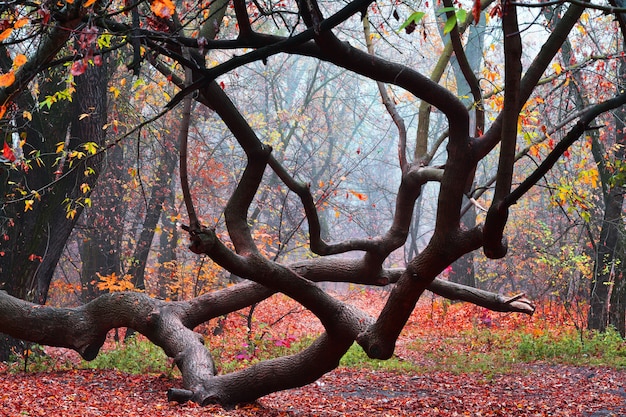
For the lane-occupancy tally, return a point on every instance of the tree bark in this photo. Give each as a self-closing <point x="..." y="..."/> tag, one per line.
<point x="607" y="301"/>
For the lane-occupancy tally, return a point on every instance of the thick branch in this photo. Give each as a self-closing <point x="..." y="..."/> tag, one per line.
<point x="379" y="340"/>
<point x="494" y="246"/>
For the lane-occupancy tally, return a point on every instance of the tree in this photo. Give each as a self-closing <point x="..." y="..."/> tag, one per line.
<point x="156" y="33"/>
<point x="37" y="218"/>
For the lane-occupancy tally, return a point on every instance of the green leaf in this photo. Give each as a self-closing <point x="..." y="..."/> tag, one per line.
<point x="450" y="24"/>
<point x="446" y="9"/>
<point x="461" y="14"/>
<point x="413" y="18"/>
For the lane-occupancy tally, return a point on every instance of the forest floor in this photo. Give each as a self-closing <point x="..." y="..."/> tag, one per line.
<point x="452" y="360"/>
<point x="529" y="390"/>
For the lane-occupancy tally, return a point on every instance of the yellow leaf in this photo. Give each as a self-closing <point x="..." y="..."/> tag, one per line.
<point x="28" y="205"/>
<point x="584" y="17"/>
<point x="91" y="147"/>
<point x="27" y="115"/>
<point x="5" y="34"/>
<point x="115" y="91"/>
<point x="60" y="147"/>
<point x="557" y="68"/>
<point x="19" y="60"/>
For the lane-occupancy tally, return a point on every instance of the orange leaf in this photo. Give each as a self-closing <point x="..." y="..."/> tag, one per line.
<point x="358" y="195"/>
<point x="5" y="34"/>
<point x="7" y="79"/>
<point x="21" y="23"/>
<point x="89" y="3"/>
<point x="19" y="61"/>
<point x="3" y="109"/>
<point x="162" y="8"/>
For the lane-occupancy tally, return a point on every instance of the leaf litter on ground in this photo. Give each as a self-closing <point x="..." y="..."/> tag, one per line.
<point x="522" y="389"/>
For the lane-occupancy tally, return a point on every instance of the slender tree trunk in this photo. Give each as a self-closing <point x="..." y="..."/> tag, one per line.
<point x="607" y="288"/>
<point x="168" y="242"/>
<point x="101" y="234"/>
<point x="160" y="192"/>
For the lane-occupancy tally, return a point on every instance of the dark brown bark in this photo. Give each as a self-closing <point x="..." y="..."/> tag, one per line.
<point x="607" y="300"/>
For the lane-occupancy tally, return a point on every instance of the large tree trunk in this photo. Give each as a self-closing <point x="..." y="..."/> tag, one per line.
<point x="37" y="237"/>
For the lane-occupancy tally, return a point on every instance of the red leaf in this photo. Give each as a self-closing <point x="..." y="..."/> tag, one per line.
<point x="476" y="11"/>
<point x="78" y="68"/>
<point x="7" y="153"/>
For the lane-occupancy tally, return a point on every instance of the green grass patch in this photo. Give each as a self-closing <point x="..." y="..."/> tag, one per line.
<point x="574" y="348"/>
<point x="136" y="356"/>
<point x="356" y="357"/>
<point x="494" y="351"/>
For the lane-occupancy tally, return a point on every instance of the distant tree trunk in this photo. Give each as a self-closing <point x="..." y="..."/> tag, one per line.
<point x="462" y="271"/>
<point x="101" y="234"/>
<point x="606" y="304"/>
<point x="607" y="296"/>
<point x="160" y="192"/>
<point x="617" y="317"/>
<point x="168" y="241"/>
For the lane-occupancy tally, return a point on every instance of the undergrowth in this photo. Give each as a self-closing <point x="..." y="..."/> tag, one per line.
<point x="493" y="351"/>
<point x="135" y="356"/>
